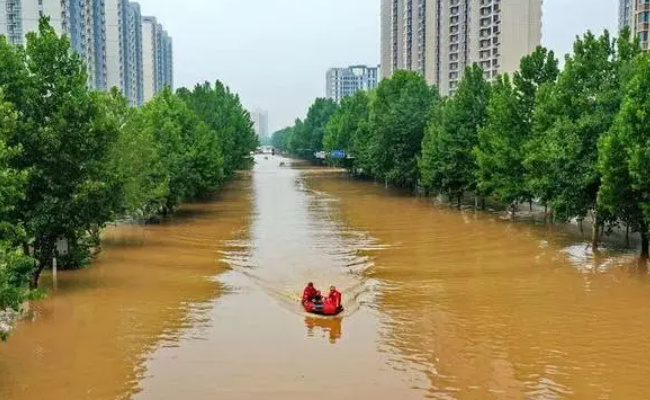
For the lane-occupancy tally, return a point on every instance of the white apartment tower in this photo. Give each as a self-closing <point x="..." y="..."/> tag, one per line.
<point x="133" y="79"/>
<point x="343" y="82"/>
<point x="115" y="50"/>
<point x="82" y="20"/>
<point x="439" y="38"/>
<point x="636" y="15"/>
<point x="260" y="119"/>
<point x="157" y="58"/>
<point x="109" y="36"/>
<point x="124" y="49"/>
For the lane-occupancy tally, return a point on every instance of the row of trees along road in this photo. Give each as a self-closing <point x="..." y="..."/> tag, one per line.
<point x="73" y="160"/>
<point x="576" y="140"/>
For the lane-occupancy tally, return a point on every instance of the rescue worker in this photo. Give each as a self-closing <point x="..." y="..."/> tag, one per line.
<point x="332" y="304"/>
<point x="310" y="293"/>
<point x="335" y="297"/>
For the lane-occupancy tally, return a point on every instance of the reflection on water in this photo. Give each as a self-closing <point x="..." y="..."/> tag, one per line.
<point x="330" y="327"/>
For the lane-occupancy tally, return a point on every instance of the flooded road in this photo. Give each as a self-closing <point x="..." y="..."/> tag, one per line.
<point x="439" y="304"/>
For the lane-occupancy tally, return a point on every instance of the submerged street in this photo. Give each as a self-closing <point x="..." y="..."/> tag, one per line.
<point x="439" y="304"/>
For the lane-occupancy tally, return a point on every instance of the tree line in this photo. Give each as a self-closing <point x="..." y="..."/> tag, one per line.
<point x="73" y="160"/>
<point x="574" y="139"/>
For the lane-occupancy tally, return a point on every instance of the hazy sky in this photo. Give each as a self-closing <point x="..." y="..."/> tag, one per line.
<point x="275" y="53"/>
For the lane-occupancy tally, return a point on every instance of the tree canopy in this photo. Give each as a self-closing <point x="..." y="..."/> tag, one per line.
<point x="73" y="160"/>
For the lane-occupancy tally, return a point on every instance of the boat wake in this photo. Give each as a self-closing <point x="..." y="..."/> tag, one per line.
<point x="301" y="238"/>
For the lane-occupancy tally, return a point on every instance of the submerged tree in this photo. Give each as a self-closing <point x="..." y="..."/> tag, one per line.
<point x="222" y="112"/>
<point x="15" y="267"/>
<point x="64" y="145"/>
<point x="448" y="162"/>
<point x="625" y="157"/>
<point x="400" y="111"/>
<point x="502" y="141"/>
<point x="571" y="117"/>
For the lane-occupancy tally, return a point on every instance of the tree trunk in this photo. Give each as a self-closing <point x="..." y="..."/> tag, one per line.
<point x="645" y="248"/>
<point x="36" y="276"/>
<point x="627" y="235"/>
<point x="43" y="253"/>
<point x="513" y="206"/>
<point x="545" y="212"/>
<point x="460" y="199"/>
<point x="595" y="233"/>
<point x="530" y="203"/>
<point x="475" y="202"/>
<point x="482" y="203"/>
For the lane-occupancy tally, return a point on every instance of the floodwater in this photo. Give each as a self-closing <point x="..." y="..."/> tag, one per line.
<point x="440" y="304"/>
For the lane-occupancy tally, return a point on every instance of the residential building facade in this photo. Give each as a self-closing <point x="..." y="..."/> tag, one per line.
<point x="260" y="119"/>
<point x="157" y="58"/>
<point x="109" y="36"/>
<point x="440" y="38"/>
<point x="82" y="20"/>
<point x="115" y="42"/>
<point x="636" y="15"/>
<point x="343" y="82"/>
<point x="124" y="49"/>
<point x="132" y="32"/>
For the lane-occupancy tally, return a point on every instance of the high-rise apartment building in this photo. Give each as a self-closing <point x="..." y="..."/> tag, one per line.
<point x="260" y="119"/>
<point x="124" y="49"/>
<point x="82" y="20"/>
<point x="343" y="82"/>
<point x="636" y="15"/>
<point x="625" y="12"/>
<point x="109" y="36"/>
<point x="115" y="36"/>
<point x="132" y="32"/>
<point x="157" y="58"/>
<point x="439" y="38"/>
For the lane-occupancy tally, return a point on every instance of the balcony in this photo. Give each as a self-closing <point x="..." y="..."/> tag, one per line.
<point x="641" y="7"/>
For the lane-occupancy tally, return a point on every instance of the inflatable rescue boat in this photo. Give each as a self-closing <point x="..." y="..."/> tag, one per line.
<point x="321" y="308"/>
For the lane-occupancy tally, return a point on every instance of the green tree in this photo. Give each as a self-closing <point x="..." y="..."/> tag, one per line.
<point x="318" y="116"/>
<point x="280" y="139"/>
<point x="448" y="163"/>
<point x="624" y="157"/>
<point x="344" y="128"/>
<point x="63" y="141"/>
<point x="501" y="149"/>
<point x="134" y="158"/>
<point x="15" y="268"/>
<point x="306" y="136"/>
<point x="499" y="154"/>
<point x="189" y="152"/>
<point x="399" y="113"/>
<point x="297" y="142"/>
<point x="223" y="113"/>
<point x="570" y="118"/>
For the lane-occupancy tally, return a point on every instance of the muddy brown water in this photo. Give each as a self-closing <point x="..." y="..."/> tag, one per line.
<point x="440" y="304"/>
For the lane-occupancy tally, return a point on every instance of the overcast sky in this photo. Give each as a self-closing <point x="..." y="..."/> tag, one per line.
<point x="275" y="53"/>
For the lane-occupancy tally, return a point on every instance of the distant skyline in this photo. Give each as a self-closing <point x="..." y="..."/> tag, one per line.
<point x="275" y="54"/>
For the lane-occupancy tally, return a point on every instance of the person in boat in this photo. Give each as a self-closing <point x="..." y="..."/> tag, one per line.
<point x="332" y="304"/>
<point x="335" y="297"/>
<point x="310" y="294"/>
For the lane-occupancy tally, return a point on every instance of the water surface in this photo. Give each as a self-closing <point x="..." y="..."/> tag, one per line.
<point x="439" y="304"/>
